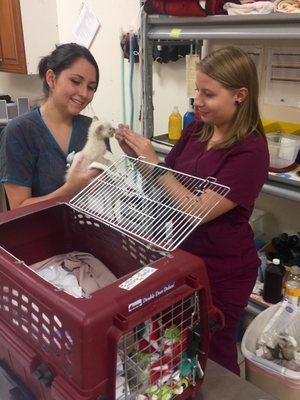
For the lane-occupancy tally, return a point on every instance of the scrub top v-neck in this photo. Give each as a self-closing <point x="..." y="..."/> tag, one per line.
<point x="30" y="155"/>
<point x="52" y="138"/>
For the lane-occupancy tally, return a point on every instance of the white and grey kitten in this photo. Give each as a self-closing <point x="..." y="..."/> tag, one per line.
<point x="95" y="148"/>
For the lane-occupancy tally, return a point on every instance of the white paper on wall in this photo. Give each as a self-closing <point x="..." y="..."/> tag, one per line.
<point x="283" y="77"/>
<point x="255" y="52"/>
<point x="191" y="62"/>
<point x="86" y="27"/>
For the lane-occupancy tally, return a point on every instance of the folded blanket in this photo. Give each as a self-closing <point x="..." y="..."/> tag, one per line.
<point x="259" y="7"/>
<point x="287" y="6"/>
<point x="62" y="280"/>
<point x="90" y="272"/>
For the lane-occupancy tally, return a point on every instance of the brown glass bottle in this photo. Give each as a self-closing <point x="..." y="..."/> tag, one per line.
<point x="272" y="292"/>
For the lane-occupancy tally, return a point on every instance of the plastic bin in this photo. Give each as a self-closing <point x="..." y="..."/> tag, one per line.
<point x="281" y="126"/>
<point x="282" y="383"/>
<point x="283" y="149"/>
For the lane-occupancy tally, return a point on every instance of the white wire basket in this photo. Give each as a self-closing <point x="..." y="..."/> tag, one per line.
<point x="153" y="204"/>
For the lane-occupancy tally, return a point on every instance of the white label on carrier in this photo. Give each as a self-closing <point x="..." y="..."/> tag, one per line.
<point x="137" y="278"/>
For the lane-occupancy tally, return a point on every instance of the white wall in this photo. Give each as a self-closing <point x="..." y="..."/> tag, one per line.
<point x="18" y="85"/>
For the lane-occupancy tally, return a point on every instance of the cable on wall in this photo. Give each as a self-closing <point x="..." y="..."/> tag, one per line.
<point x="131" y="61"/>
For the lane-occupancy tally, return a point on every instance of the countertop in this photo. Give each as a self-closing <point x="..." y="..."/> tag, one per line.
<point x="221" y="384"/>
<point x="218" y="384"/>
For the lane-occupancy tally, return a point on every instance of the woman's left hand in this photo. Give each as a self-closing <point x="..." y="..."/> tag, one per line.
<point x="141" y="146"/>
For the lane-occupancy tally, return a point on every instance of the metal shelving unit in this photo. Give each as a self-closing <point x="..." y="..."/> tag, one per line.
<point x="260" y="26"/>
<point x="165" y="29"/>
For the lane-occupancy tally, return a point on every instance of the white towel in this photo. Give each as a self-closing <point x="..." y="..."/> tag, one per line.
<point x="259" y="7"/>
<point x="90" y="272"/>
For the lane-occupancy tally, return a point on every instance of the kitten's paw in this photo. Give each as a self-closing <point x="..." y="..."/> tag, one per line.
<point x="98" y="165"/>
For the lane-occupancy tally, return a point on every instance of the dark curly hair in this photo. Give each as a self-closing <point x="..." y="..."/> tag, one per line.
<point x="62" y="58"/>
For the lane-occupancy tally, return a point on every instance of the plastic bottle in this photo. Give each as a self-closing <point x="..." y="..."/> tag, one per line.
<point x="175" y="124"/>
<point x="189" y="116"/>
<point x="274" y="273"/>
<point x="292" y="286"/>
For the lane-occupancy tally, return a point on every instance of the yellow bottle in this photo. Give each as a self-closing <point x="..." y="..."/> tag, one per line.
<point x="292" y="286"/>
<point x="175" y="125"/>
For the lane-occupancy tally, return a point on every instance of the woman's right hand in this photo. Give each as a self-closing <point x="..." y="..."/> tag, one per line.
<point x="136" y="145"/>
<point x="78" y="180"/>
<point x="120" y="136"/>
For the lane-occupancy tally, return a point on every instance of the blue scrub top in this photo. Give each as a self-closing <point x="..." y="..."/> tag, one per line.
<point x="30" y="155"/>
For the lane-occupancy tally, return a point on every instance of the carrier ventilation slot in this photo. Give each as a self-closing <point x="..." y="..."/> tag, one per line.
<point x="29" y="318"/>
<point x="113" y="239"/>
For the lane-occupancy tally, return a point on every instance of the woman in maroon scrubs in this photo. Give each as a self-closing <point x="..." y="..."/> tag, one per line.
<point x="229" y="144"/>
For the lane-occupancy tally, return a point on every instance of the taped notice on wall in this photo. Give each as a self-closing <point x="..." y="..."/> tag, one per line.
<point x="191" y="64"/>
<point x="283" y="77"/>
<point x="86" y="27"/>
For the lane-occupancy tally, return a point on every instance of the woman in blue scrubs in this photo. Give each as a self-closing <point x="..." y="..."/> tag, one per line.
<point x="35" y="146"/>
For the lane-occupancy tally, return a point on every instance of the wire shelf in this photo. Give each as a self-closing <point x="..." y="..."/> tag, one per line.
<point x="153" y="204"/>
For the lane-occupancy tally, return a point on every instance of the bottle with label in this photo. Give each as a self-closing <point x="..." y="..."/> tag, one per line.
<point x="292" y="286"/>
<point x="189" y="116"/>
<point x="175" y="125"/>
<point x="274" y="273"/>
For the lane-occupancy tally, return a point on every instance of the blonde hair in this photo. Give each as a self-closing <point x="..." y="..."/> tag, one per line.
<point x="234" y="69"/>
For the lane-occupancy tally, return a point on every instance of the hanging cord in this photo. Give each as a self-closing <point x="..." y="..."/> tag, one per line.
<point x="123" y="95"/>
<point x="131" y="60"/>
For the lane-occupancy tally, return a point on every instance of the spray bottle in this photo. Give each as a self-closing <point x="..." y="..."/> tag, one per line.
<point x="189" y="116"/>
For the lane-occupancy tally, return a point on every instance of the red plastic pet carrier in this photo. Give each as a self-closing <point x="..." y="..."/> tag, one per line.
<point x="145" y="336"/>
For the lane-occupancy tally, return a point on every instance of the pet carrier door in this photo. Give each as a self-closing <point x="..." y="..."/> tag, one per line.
<point x="153" y="204"/>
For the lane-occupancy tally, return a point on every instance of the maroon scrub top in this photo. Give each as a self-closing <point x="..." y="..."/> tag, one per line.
<point x="226" y="244"/>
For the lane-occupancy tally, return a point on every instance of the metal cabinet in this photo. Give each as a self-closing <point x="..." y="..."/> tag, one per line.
<point x="165" y="29"/>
